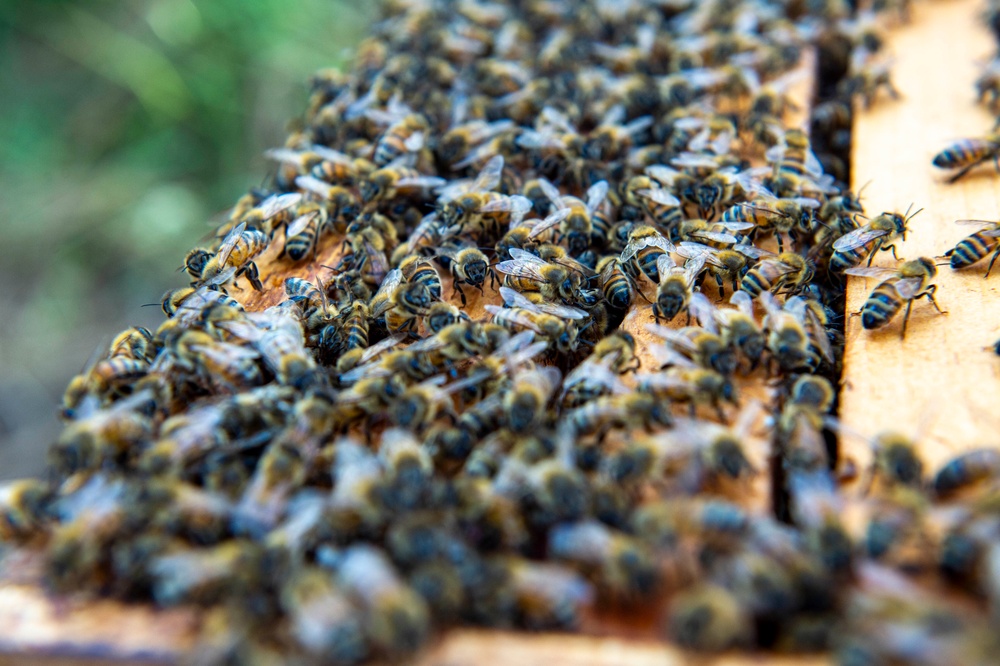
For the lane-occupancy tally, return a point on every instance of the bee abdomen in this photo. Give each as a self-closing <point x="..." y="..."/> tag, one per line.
<point x="968" y="251"/>
<point x="880" y="307"/>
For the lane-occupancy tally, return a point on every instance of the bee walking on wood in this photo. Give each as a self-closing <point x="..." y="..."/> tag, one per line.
<point x="966" y="154"/>
<point x="904" y="284"/>
<point x="974" y="248"/>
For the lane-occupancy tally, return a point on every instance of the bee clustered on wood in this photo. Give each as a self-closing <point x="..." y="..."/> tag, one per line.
<point x="434" y="375"/>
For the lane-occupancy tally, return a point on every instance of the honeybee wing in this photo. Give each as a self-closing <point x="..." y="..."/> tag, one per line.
<point x="535" y="140"/>
<point x="662" y="197"/>
<point x="414" y="142"/>
<point x="662" y="173"/>
<point x="693" y="268"/>
<point x="735" y="226"/>
<point x="386" y="289"/>
<point x="805" y="202"/>
<point x="423" y="182"/>
<point x="743" y="302"/>
<point x="634" y="246"/>
<point x="283" y="155"/>
<point x="381" y="346"/>
<point x="229" y="243"/>
<point x="489" y="178"/>
<point x="872" y="271"/>
<point x="995" y="231"/>
<point x="552" y="193"/>
<point x="857" y="238"/>
<point x="515" y="299"/>
<point x="549" y="222"/>
<point x="314" y="185"/>
<point x="822" y="338"/>
<point x="552" y="117"/>
<point x="716" y="236"/>
<point x="516" y="343"/>
<point x="596" y="194"/>
<point x="664" y="264"/>
<point x="693" y="160"/>
<point x="704" y="311"/>
<point x="223" y="277"/>
<point x="675" y="339"/>
<point x="598" y="372"/>
<point x="690" y="250"/>
<point x="331" y="155"/>
<point x="300" y="224"/>
<point x="751" y="186"/>
<point x="771" y="304"/>
<point x="523" y="267"/>
<point x="909" y="287"/>
<point x="516" y="315"/>
<point x="666" y="355"/>
<point x="752" y="251"/>
<point x="379" y="265"/>
<point x="224" y="351"/>
<point x="278" y="203"/>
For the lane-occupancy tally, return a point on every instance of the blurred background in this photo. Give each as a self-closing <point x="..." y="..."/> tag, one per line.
<point x="125" y="127"/>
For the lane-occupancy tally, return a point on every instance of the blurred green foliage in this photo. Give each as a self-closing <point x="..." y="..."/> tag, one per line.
<point x="124" y="128"/>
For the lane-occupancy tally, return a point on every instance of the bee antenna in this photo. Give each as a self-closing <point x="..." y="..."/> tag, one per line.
<point x="858" y="196"/>
<point x="909" y="217"/>
<point x="149" y="305"/>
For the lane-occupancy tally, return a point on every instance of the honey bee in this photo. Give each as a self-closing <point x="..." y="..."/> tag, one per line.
<point x="794" y="155"/>
<point x="975" y="247"/>
<point x="738" y="326"/>
<point x="102" y="436"/>
<point x="302" y="234"/>
<point x="966" y="469"/>
<point x="402" y="137"/>
<point x="615" y="282"/>
<point x="686" y="382"/>
<point x="866" y="78"/>
<point x="779" y="217"/>
<point x="662" y="206"/>
<point x="478" y="206"/>
<point x="574" y="222"/>
<point x="904" y="284"/>
<point x="235" y="258"/>
<point x="796" y="337"/>
<point x="710" y="618"/>
<point x="556" y="323"/>
<point x="277" y="335"/>
<point x="851" y="249"/>
<point x="322" y="618"/>
<point x="386" y="183"/>
<point x="420" y="271"/>
<point x="705" y="348"/>
<point x="524" y="404"/>
<point x="785" y="272"/>
<point x="219" y="364"/>
<point x="643" y="251"/>
<point x="23" y="508"/>
<point x="396" y="618"/>
<point x="459" y="143"/>
<point x="674" y="292"/>
<point x="441" y="315"/>
<point x="623" y="565"/>
<point x="265" y="215"/>
<point x="340" y="203"/>
<point x="468" y="266"/>
<point x="529" y="273"/>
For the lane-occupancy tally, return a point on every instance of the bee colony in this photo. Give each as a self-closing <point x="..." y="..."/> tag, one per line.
<point x="541" y="324"/>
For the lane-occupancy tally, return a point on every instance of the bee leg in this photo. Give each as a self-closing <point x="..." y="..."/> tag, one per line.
<point x="720" y="413"/>
<point x="930" y="295"/>
<point x="456" y="288"/>
<point x="964" y="170"/>
<point x="993" y="260"/>
<point x="250" y="272"/>
<point x="493" y="279"/>
<point x="906" y="318"/>
<point x="781" y="245"/>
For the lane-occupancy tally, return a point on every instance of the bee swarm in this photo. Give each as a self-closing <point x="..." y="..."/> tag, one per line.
<point x="538" y="322"/>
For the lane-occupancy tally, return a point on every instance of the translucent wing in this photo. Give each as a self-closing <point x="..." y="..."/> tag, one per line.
<point x="414" y="142"/>
<point x="381" y="346"/>
<point x="314" y="185"/>
<point x="634" y="246"/>
<point x="229" y="243"/>
<point x="675" y="339"/>
<point x="692" y="268"/>
<point x="278" y="203"/>
<point x="522" y="266"/>
<point x="300" y="224"/>
<point x="690" y="250"/>
<point x="716" y="236"/>
<point x="519" y="317"/>
<point x="662" y="197"/>
<point x="596" y="194"/>
<point x="771" y="304"/>
<point x="872" y="271"/>
<point x="516" y="300"/>
<point x="552" y="193"/>
<point x="423" y="182"/>
<point x="857" y="238"/>
<point x="752" y="251"/>
<point x="986" y="231"/>
<point x="383" y="296"/>
<point x="703" y="310"/>
<point x="664" y="264"/>
<point x="743" y="302"/>
<point x="909" y="287"/>
<point x="489" y="178"/>
<point x="331" y="155"/>
<point x="549" y="222"/>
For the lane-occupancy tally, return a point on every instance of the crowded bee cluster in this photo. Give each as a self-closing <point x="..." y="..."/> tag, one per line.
<point x="538" y="294"/>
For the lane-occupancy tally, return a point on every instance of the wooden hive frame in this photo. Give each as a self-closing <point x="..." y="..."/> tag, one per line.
<point x="941" y="369"/>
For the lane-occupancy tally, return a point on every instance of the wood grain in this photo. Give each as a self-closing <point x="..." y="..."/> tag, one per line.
<point x="939" y="384"/>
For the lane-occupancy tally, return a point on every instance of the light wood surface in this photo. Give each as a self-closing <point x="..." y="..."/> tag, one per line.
<point x="938" y="384"/>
